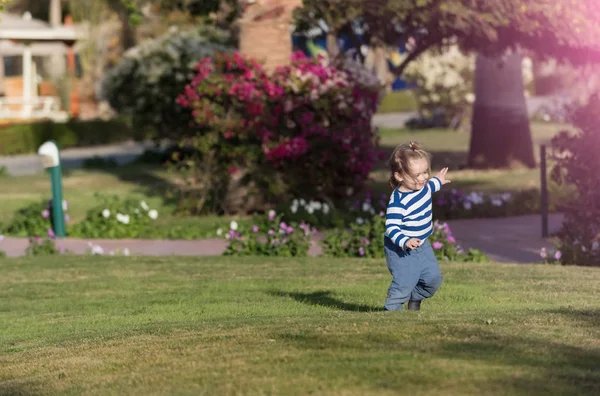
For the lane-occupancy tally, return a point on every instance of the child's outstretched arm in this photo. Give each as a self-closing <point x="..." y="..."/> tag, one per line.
<point x="439" y="180"/>
<point x="393" y="221"/>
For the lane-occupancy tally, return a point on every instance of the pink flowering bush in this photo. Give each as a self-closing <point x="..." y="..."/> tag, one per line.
<point x="577" y="163"/>
<point x="303" y="131"/>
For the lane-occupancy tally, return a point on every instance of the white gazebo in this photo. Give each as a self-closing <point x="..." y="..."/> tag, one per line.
<point x="27" y="35"/>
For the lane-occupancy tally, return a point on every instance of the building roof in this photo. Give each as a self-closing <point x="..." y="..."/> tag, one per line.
<point x="25" y="28"/>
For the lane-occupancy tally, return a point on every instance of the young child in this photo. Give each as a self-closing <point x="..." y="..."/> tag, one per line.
<point x="408" y="222"/>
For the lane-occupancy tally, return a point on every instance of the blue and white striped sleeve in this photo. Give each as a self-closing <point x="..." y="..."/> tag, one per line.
<point x="393" y="221"/>
<point x="435" y="184"/>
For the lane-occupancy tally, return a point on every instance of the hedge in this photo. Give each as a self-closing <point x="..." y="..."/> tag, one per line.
<point x="26" y="138"/>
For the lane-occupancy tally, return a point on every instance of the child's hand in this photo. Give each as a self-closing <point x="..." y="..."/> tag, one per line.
<point x="413" y="243"/>
<point x="442" y="176"/>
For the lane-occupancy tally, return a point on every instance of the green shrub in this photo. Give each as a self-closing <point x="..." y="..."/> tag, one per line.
<point x="114" y="217"/>
<point x="34" y="220"/>
<point x="366" y="240"/>
<point x="27" y="138"/>
<point x="577" y="162"/>
<point x="269" y="236"/>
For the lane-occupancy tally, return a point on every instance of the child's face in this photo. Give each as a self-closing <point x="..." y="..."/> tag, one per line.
<point x="417" y="175"/>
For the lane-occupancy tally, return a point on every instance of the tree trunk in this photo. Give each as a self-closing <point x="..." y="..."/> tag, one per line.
<point x="500" y="134"/>
<point x="333" y="49"/>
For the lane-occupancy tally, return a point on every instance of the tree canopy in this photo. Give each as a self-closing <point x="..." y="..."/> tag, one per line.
<point x="552" y="28"/>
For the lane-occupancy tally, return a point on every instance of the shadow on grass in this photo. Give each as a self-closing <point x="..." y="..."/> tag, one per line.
<point x="325" y="299"/>
<point x="501" y="361"/>
<point x="17" y="388"/>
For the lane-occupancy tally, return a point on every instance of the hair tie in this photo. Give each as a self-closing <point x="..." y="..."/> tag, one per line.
<point x="412" y="145"/>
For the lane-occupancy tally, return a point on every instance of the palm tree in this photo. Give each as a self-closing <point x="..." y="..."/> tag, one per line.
<point x="500" y="125"/>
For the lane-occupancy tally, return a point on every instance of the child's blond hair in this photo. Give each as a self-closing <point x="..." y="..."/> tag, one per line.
<point x="399" y="161"/>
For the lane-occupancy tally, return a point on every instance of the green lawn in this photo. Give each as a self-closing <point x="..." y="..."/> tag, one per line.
<point x="450" y="148"/>
<point x="398" y="102"/>
<point x="220" y="326"/>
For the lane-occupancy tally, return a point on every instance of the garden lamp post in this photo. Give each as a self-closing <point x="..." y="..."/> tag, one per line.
<point x="50" y="157"/>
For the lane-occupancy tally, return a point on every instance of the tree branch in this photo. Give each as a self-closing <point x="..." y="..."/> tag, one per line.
<point x="398" y="70"/>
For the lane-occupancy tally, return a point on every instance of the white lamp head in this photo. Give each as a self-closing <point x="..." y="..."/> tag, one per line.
<point x="49" y="156"/>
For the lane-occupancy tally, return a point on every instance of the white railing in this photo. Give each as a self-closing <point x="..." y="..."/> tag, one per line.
<point x="37" y="107"/>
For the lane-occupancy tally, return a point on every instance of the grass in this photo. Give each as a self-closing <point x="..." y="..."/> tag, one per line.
<point x="451" y="149"/>
<point x="80" y="186"/>
<point x="107" y="325"/>
<point x="398" y="102"/>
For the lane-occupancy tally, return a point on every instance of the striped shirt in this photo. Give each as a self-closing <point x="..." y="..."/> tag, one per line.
<point x="409" y="214"/>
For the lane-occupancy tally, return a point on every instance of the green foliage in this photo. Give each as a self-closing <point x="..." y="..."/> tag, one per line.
<point x="42" y="247"/>
<point x="576" y="165"/>
<point x="26" y="138"/>
<point x="486" y="26"/>
<point x="114" y="217"/>
<point x="34" y="220"/>
<point x="269" y="236"/>
<point x="146" y="82"/>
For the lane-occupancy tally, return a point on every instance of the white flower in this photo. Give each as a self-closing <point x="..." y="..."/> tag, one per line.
<point x="144" y="205"/>
<point x="349" y="191"/>
<point x="233" y="225"/>
<point x="153" y="214"/>
<point x="295" y="202"/>
<point x="97" y="250"/>
<point x="302" y="202"/>
<point x="122" y="218"/>
<point x="106" y="213"/>
<point x="325" y="208"/>
<point x="360" y="221"/>
<point x="595" y="245"/>
<point x="125" y="252"/>
<point x="64" y="205"/>
<point x="294" y="209"/>
<point x="366" y="207"/>
<point x="318" y="205"/>
<point x="136" y="211"/>
<point x="219" y="231"/>
<point x="506" y="196"/>
<point x="496" y="202"/>
<point x="310" y="209"/>
<point x="467" y="205"/>
<point x="470" y="97"/>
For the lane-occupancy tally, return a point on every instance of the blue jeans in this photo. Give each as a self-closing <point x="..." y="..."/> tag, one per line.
<point x="416" y="274"/>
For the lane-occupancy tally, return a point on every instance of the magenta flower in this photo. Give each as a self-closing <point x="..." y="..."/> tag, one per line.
<point x="361" y="251"/>
<point x="437" y="245"/>
<point x="451" y="239"/>
<point x="558" y="255"/>
<point x="271" y="232"/>
<point x="272" y="215"/>
<point x="51" y="233"/>
<point x="46" y="213"/>
<point x="255" y="228"/>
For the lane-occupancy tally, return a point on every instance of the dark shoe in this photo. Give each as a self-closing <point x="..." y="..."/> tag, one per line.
<point x="414" y="305"/>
